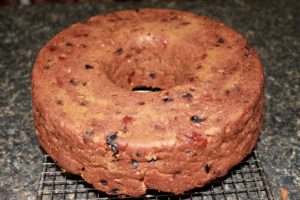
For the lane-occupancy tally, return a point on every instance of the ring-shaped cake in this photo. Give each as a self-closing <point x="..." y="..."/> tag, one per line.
<point x="202" y="116"/>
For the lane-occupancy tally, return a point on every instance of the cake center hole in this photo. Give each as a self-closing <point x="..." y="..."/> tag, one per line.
<point x="145" y="66"/>
<point x="146" y="89"/>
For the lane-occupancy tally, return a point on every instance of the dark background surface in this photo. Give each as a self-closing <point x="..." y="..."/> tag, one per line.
<point x="32" y="2"/>
<point x="270" y="26"/>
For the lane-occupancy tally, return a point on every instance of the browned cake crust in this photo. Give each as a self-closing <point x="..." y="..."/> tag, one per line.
<point x="205" y="120"/>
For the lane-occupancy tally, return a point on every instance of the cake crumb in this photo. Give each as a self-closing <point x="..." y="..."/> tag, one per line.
<point x="284" y="193"/>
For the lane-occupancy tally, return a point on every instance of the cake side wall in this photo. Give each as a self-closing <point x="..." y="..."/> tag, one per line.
<point x="179" y="166"/>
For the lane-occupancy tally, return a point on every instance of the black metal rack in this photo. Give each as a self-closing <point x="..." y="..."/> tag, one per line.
<point x="245" y="181"/>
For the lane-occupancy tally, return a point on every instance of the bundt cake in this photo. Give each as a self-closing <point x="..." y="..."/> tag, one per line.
<point x="202" y="113"/>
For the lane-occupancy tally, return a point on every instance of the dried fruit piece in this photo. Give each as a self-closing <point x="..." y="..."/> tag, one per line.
<point x="119" y="52"/>
<point x="206" y="168"/>
<point x="187" y="96"/>
<point x="134" y="164"/>
<point x="127" y="119"/>
<point x="110" y="141"/>
<point x="69" y="44"/>
<point x="197" y="119"/>
<point x="89" y="133"/>
<point x="168" y="99"/>
<point x="103" y="182"/>
<point x="88" y="66"/>
<point x="59" y="102"/>
<point x="111" y="137"/>
<point x="152" y="75"/>
<point x="220" y="40"/>
<point x="114" y="191"/>
<point x="74" y="82"/>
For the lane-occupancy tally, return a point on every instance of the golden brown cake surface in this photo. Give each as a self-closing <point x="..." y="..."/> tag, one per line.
<point x="206" y="118"/>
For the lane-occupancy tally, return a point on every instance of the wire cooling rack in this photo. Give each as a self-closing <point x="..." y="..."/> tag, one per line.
<point x="245" y="181"/>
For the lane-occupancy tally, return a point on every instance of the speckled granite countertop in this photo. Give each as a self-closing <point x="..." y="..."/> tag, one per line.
<point x="270" y="26"/>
